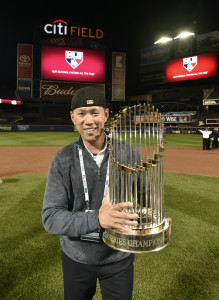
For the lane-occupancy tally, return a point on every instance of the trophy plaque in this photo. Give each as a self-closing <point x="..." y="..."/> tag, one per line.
<point x="136" y="174"/>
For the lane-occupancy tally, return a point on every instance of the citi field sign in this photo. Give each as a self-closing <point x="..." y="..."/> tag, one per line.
<point x="193" y="67"/>
<point x="61" y="27"/>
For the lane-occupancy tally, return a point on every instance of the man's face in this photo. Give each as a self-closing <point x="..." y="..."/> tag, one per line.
<point x="90" y="121"/>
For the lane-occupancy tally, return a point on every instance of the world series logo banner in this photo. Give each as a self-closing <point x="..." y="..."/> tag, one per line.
<point x="189" y="63"/>
<point x="192" y="67"/>
<point x="74" y="58"/>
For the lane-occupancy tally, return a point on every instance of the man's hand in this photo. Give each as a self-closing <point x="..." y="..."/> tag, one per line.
<point x="169" y="220"/>
<point x="111" y="215"/>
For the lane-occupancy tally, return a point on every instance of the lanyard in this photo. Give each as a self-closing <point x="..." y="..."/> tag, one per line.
<point x="84" y="179"/>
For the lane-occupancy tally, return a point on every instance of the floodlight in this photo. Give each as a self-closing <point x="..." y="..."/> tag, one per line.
<point x="183" y="35"/>
<point x="163" y="40"/>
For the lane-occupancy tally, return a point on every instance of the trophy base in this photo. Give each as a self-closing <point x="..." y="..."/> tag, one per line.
<point x="140" y="241"/>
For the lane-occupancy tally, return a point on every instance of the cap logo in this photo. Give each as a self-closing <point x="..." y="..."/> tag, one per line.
<point x="90" y="101"/>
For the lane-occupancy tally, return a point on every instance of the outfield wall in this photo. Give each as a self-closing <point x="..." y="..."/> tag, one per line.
<point x="36" y="128"/>
<point x="70" y="128"/>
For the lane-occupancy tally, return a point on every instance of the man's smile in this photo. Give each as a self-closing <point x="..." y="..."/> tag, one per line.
<point x="90" y="130"/>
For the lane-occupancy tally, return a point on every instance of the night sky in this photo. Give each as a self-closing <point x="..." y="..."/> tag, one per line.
<point x="131" y="26"/>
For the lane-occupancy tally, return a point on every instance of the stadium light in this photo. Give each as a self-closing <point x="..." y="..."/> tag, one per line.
<point x="183" y="35"/>
<point x="163" y="40"/>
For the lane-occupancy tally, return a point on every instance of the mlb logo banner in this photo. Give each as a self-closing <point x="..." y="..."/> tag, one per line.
<point x="189" y="63"/>
<point x="74" y="58"/>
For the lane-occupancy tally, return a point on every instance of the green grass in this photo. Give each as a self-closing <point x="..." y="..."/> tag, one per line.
<point x="29" y="257"/>
<point x="19" y="139"/>
<point x="185" y="270"/>
<point x="29" y="139"/>
<point x="183" y="140"/>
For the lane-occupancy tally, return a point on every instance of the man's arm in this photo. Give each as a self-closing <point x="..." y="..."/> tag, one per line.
<point x="56" y="216"/>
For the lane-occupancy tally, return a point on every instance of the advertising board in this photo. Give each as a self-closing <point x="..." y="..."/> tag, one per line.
<point x="24" y="61"/>
<point x="64" y="89"/>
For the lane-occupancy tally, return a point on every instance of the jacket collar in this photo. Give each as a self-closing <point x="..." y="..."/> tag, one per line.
<point x="80" y="142"/>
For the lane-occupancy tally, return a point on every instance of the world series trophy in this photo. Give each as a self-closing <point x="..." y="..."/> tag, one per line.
<point x="136" y="174"/>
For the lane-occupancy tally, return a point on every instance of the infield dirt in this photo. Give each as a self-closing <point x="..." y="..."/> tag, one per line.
<point x="195" y="161"/>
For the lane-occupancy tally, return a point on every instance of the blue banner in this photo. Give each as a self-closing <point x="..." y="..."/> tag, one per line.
<point x="155" y="54"/>
<point x="24" y="88"/>
<point x="176" y="119"/>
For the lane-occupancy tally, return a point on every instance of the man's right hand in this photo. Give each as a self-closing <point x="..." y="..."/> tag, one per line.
<point x="112" y="216"/>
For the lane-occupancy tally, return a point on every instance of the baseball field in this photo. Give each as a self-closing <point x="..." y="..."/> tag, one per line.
<point x="30" y="257"/>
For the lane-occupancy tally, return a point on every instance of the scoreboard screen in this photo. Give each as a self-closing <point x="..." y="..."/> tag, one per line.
<point x="194" y="67"/>
<point x="71" y="64"/>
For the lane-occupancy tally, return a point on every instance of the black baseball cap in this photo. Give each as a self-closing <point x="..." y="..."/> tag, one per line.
<point x="88" y="96"/>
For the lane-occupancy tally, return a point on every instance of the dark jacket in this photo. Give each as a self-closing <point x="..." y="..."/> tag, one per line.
<point x="63" y="210"/>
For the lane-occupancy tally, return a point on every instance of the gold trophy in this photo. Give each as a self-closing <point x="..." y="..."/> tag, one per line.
<point x="136" y="174"/>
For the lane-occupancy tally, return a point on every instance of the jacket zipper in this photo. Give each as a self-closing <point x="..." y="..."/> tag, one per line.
<point x="99" y="174"/>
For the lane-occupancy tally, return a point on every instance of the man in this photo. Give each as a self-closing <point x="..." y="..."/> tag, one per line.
<point x="77" y="207"/>
<point x="215" y="136"/>
<point x="206" y="138"/>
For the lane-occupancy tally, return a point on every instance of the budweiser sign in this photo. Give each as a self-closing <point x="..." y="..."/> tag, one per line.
<point x="63" y="90"/>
